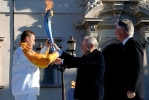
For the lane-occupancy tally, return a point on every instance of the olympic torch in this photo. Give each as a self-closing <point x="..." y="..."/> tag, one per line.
<point x="47" y="20"/>
<point x="47" y="23"/>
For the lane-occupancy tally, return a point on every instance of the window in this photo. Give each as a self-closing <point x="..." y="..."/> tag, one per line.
<point x="49" y="76"/>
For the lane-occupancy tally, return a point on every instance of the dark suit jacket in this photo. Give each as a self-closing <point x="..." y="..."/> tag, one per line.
<point x="89" y="80"/>
<point x="130" y="75"/>
<point x="111" y="54"/>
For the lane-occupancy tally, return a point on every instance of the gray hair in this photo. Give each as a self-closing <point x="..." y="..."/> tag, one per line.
<point x="91" y="40"/>
<point x="127" y="25"/>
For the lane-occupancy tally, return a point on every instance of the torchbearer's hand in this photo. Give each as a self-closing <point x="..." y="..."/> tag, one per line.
<point x="56" y="47"/>
<point x="58" y="61"/>
<point x="47" y="44"/>
<point x="131" y="94"/>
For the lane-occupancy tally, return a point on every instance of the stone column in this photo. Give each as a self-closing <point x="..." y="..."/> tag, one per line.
<point x="146" y="63"/>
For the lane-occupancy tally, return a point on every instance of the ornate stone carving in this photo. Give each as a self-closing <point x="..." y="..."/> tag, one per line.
<point x="93" y="27"/>
<point x="114" y="19"/>
<point x="144" y="3"/>
<point x="92" y="3"/>
<point x="147" y="37"/>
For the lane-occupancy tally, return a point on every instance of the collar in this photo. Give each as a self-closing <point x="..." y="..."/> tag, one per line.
<point x="24" y="45"/>
<point x="126" y="39"/>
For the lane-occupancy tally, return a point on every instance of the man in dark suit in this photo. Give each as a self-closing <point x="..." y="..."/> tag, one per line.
<point x="130" y="83"/>
<point x="90" y="75"/>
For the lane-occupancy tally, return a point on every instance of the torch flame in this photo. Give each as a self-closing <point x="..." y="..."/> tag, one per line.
<point x="49" y="4"/>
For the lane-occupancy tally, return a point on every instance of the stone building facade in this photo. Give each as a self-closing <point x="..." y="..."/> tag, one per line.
<point x="76" y="18"/>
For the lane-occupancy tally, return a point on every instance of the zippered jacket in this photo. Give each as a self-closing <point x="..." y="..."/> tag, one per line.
<point x="25" y="69"/>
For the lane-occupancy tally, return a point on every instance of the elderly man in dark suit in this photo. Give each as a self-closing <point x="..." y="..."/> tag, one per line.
<point x="90" y="75"/>
<point x="130" y="83"/>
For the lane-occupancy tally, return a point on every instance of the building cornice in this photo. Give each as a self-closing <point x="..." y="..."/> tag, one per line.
<point x="87" y="21"/>
<point x="1" y="40"/>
